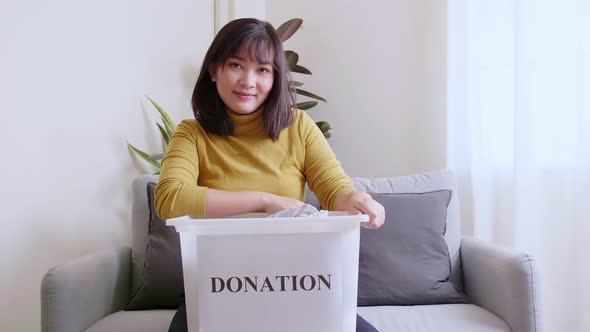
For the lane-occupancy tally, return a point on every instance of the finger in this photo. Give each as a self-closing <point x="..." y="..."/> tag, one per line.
<point x="353" y="210"/>
<point x="365" y="207"/>
<point x="373" y="213"/>
<point x="372" y="223"/>
<point x="376" y="214"/>
<point x="368" y="225"/>
<point x="380" y="216"/>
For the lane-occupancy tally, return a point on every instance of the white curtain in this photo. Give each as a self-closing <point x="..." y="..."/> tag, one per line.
<point x="519" y="138"/>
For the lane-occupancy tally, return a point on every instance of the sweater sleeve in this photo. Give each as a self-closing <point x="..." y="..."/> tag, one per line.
<point x="323" y="171"/>
<point x="177" y="193"/>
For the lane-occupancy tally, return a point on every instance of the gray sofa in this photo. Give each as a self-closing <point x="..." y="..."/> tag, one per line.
<point x="89" y="294"/>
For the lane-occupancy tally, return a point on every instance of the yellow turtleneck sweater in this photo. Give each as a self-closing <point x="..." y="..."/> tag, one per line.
<point x="247" y="161"/>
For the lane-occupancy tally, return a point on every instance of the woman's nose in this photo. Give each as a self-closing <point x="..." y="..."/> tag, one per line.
<point x="248" y="79"/>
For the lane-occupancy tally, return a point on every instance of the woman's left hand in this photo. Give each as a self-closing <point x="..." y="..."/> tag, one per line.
<point x="358" y="202"/>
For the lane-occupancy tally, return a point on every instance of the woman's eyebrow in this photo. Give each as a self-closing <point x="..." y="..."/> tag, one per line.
<point x="237" y="57"/>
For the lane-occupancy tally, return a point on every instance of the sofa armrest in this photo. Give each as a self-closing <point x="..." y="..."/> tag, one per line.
<point x="504" y="281"/>
<point x="79" y="293"/>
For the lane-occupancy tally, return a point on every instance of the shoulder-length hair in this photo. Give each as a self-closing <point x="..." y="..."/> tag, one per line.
<point x="261" y="41"/>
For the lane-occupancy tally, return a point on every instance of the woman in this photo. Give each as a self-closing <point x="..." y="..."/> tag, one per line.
<point x="248" y="150"/>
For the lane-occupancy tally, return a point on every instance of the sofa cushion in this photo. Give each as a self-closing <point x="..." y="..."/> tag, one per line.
<point x="419" y="318"/>
<point x="406" y="261"/>
<point x="428" y="318"/>
<point x="419" y="183"/>
<point x="140" y="216"/>
<point x="135" y="321"/>
<point x="161" y="285"/>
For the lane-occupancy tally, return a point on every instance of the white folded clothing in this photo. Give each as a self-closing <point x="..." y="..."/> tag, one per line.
<point x="306" y="210"/>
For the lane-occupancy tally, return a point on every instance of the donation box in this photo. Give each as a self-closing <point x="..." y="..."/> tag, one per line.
<point x="250" y="273"/>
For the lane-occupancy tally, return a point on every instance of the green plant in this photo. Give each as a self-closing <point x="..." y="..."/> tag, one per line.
<point x="166" y="129"/>
<point x="285" y="31"/>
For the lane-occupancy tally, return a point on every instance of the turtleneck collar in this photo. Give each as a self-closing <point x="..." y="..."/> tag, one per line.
<point x="247" y="124"/>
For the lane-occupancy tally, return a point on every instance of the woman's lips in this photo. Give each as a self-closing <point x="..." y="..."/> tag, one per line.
<point x="244" y="96"/>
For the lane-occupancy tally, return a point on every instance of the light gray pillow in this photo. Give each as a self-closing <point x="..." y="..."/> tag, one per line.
<point x="161" y="283"/>
<point x="406" y="261"/>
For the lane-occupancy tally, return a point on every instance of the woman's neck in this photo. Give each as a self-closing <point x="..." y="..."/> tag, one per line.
<point x="246" y="124"/>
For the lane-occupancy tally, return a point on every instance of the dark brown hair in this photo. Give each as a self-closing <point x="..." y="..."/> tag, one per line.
<point x="260" y="40"/>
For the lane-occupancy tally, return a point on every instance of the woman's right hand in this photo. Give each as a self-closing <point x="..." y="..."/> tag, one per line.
<point x="274" y="203"/>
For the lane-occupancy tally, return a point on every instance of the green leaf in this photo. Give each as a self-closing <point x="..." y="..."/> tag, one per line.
<point x="145" y="156"/>
<point x="287" y="29"/>
<point x="165" y="116"/>
<point x="164" y="133"/>
<point x="309" y="94"/>
<point x="306" y="105"/>
<point x="292" y="59"/>
<point x="327" y="135"/>
<point x="301" y="70"/>
<point x="295" y="83"/>
<point x="323" y="125"/>
<point x="169" y="130"/>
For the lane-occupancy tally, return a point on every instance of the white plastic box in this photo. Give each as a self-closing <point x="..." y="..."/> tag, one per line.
<point x="251" y="273"/>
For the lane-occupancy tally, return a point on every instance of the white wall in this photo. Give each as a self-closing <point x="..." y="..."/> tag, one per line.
<point x="381" y="66"/>
<point x="72" y="79"/>
<point x="228" y="10"/>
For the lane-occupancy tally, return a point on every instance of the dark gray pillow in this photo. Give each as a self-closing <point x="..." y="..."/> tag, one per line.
<point x="162" y="286"/>
<point x="406" y="261"/>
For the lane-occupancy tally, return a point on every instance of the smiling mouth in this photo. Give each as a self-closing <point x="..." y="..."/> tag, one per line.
<point x="244" y="96"/>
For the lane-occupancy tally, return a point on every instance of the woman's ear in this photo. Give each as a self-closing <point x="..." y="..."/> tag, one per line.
<point x="213" y="74"/>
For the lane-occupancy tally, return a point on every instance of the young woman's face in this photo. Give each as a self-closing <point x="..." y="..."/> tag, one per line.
<point x="242" y="84"/>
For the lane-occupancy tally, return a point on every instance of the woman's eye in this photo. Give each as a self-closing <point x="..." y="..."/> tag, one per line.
<point x="234" y="65"/>
<point x="264" y="70"/>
